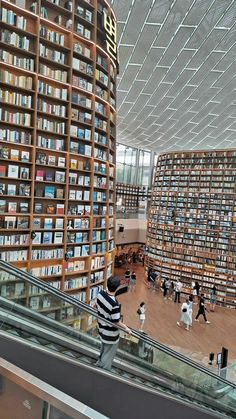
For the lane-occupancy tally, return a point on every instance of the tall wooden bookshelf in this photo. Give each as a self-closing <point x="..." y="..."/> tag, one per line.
<point x="57" y="141"/>
<point x="192" y="221"/>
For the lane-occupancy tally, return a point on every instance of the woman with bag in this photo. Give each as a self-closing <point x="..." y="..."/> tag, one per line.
<point x="184" y="318"/>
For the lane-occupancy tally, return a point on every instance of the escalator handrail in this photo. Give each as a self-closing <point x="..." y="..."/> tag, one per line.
<point x="22" y="275"/>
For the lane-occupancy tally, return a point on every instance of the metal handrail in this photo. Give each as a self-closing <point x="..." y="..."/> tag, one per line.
<point x="90" y="310"/>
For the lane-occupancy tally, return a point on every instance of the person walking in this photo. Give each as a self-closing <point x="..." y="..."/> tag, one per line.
<point x="213" y="298"/>
<point x="196" y="289"/>
<point x="133" y="281"/>
<point x="108" y="308"/>
<point x="164" y="287"/>
<point x="127" y="276"/>
<point x="190" y="310"/>
<point x="201" y="310"/>
<point x="178" y="287"/>
<point x="171" y="290"/>
<point x="184" y="318"/>
<point x="141" y="313"/>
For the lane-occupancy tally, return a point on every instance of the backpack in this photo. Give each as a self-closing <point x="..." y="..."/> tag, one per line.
<point x="139" y="311"/>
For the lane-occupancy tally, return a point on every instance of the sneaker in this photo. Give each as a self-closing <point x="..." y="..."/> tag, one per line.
<point x="196" y="320"/>
<point x="207" y="322"/>
<point x="186" y="328"/>
<point x="178" y="324"/>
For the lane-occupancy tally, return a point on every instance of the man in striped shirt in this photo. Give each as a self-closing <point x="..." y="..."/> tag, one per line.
<point x="109" y="309"/>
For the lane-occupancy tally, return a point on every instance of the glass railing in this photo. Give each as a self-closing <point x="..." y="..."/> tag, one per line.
<point x="162" y="367"/>
<point x="25" y="396"/>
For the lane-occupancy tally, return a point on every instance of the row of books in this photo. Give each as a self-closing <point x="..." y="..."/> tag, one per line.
<point x="41" y="208"/>
<point x="80" y="148"/>
<point x="49" y="90"/>
<point x="99" y="235"/>
<point x="102" y="61"/>
<point x="84" y="13"/>
<point x="82" y="66"/>
<point x="100" y="108"/>
<point x="51" y="125"/>
<point x="78" y="237"/>
<point x="46" y="71"/>
<point x="99" y="196"/>
<point x="79" y="195"/>
<point x="83" y="83"/>
<point x="50" y="175"/>
<point x="81" y="133"/>
<point x="102" y="77"/>
<point x="13" y="207"/>
<point x="14" y="255"/>
<point x="50" y="143"/>
<point x="51" y="160"/>
<point x="79" y="209"/>
<point x="102" y="93"/>
<point x="51" y="108"/>
<point x="15" y="98"/>
<point x="100" y="182"/>
<point x="12" y="222"/>
<point x="75" y="179"/>
<point x="16" y="80"/>
<point x="79" y="99"/>
<point x="93" y="292"/>
<point x="20" y="118"/>
<point x="100" y="123"/>
<point x="97" y="276"/>
<point x="14" y="171"/>
<point x="23" y="189"/>
<point x="14" y="154"/>
<point x="47" y="237"/>
<point x="49" y="191"/>
<point x="99" y="248"/>
<point x="15" y="39"/>
<point x="82" y="30"/>
<point x="8" y="16"/>
<point x="14" y="239"/>
<point x="77" y="224"/>
<point x="80" y="282"/>
<point x="48" y="223"/>
<point x="77" y="251"/>
<point x="100" y="153"/>
<point x="75" y="266"/>
<point x="82" y="49"/>
<point x="47" y="270"/>
<point x="52" y="36"/>
<point x="25" y="63"/>
<point x="52" y="54"/>
<point x="81" y="116"/>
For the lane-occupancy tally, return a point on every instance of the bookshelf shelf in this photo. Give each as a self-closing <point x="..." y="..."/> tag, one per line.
<point x="54" y="141"/>
<point x="191" y="226"/>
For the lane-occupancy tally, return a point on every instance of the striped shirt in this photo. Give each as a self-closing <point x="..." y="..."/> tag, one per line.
<point x="109" y="309"/>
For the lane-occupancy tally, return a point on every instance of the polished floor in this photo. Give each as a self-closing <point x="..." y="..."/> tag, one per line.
<point x="162" y="315"/>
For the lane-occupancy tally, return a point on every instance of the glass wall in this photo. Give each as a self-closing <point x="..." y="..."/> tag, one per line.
<point x="133" y="166"/>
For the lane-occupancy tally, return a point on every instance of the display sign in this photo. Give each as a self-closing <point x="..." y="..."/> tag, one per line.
<point x="110" y="28"/>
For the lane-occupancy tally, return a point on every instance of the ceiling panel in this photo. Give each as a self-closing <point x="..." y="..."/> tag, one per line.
<point x="177" y="77"/>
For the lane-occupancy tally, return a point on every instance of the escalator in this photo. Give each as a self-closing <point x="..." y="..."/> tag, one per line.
<point x="56" y="340"/>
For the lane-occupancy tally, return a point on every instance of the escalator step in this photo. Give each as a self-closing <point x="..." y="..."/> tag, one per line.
<point x="69" y="353"/>
<point x="86" y="359"/>
<point x="33" y="339"/>
<point x="13" y="332"/>
<point x="53" y="347"/>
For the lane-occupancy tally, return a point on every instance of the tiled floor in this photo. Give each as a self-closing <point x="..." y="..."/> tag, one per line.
<point x="162" y="315"/>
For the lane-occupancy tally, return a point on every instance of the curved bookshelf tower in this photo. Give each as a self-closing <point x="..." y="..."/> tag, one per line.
<point x="58" y="71"/>
<point x="192" y="221"/>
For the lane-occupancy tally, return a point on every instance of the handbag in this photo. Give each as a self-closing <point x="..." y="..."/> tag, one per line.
<point x="184" y="310"/>
<point x="139" y="311"/>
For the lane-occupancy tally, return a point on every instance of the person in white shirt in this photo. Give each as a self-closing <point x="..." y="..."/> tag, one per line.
<point x="178" y="287"/>
<point x="184" y="317"/>
<point x="142" y="316"/>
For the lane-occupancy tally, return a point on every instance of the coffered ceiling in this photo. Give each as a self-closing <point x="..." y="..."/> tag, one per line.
<point x="177" y="83"/>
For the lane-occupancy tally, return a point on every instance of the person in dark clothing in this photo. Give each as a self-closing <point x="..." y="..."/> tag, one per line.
<point x="164" y="287"/>
<point x="201" y="310"/>
<point x="134" y="257"/>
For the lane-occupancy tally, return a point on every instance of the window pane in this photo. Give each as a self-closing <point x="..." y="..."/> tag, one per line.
<point x="147" y="158"/>
<point x="119" y="172"/>
<point x="120" y="153"/>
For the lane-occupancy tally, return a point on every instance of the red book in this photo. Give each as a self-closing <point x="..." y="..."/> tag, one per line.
<point x="3" y="171"/>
